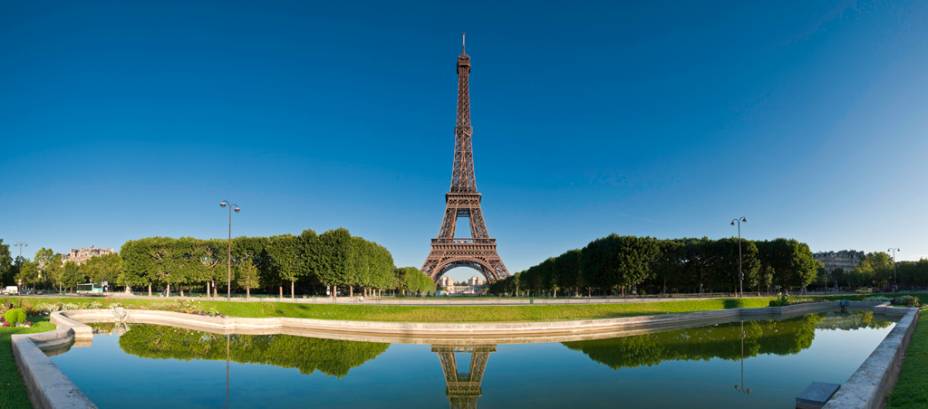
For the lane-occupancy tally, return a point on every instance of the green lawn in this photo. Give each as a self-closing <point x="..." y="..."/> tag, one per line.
<point x="12" y="391"/>
<point x="911" y="389"/>
<point x="394" y="313"/>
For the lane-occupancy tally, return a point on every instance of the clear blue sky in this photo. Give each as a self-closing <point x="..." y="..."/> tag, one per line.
<point x="120" y="120"/>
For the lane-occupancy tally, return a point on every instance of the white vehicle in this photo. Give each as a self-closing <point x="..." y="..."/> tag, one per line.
<point x="11" y="290"/>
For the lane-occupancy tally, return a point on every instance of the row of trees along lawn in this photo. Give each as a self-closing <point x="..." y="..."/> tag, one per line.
<point x="309" y="263"/>
<point x="620" y="264"/>
<point x="877" y="270"/>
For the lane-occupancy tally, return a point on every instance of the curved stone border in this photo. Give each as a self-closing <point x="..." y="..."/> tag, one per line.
<point x="48" y="388"/>
<point x="431" y="333"/>
<point x="872" y="382"/>
<point x="51" y="389"/>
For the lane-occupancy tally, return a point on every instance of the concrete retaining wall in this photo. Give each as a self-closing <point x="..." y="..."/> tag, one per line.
<point x="869" y="386"/>
<point x="48" y="388"/>
<point x="498" y="332"/>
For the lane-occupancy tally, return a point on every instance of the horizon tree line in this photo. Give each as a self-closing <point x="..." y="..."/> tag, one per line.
<point x="617" y="265"/>
<point x="308" y="262"/>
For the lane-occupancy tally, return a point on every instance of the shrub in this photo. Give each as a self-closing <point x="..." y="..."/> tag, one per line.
<point x="46" y="309"/>
<point x="781" y="301"/>
<point x="906" y="300"/>
<point x="15" y="317"/>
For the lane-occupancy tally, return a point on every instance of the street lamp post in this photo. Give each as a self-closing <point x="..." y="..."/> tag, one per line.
<point x="893" y="251"/>
<point x="232" y="207"/>
<point x="737" y="221"/>
<point x="20" y="245"/>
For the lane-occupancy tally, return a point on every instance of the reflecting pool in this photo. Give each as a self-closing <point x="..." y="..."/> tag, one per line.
<point x="757" y="364"/>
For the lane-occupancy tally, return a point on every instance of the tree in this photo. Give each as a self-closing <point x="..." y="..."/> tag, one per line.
<point x="212" y="268"/>
<point x="766" y="279"/>
<point x="103" y="269"/>
<point x="411" y="280"/>
<point x="162" y="254"/>
<point x="136" y="265"/>
<point x="49" y="267"/>
<point x="878" y="267"/>
<point x="284" y="253"/>
<point x="6" y="263"/>
<point x="596" y="263"/>
<point x="636" y="255"/>
<point x="620" y="262"/>
<point x="29" y="274"/>
<point x="247" y="276"/>
<point x="335" y="246"/>
<point x="72" y="275"/>
<point x="567" y="266"/>
<point x="791" y="260"/>
<point x="725" y="264"/>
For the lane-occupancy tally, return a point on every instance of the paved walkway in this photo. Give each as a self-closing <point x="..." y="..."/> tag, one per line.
<point x="449" y="300"/>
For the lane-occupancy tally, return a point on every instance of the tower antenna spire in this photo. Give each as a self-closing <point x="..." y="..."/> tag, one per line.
<point x="463" y="42"/>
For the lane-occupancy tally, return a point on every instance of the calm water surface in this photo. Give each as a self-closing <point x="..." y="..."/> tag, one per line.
<point x="757" y="364"/>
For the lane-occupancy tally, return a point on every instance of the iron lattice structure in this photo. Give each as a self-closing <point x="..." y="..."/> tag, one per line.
<point x="463" y="385"/>
<point x="463" y="200"/>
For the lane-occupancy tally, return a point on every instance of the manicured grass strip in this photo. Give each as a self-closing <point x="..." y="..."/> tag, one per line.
<point x="911" y="389"/>
<point x="12" y="391"/>
<point x="402" y="313"/>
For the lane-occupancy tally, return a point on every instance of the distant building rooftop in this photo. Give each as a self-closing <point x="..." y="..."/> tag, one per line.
<point x="81" y="255"/>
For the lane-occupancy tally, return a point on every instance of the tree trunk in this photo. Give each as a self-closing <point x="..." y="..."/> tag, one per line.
<point x="149" y="289"/>
<point x="209" y="292"/>
<point x="247" y="293"/>
<point x="281" y="292"/>
<point x="128" y="290"/>
<point x="292" y="289"/>
<point x="181" y="291"/>
<point x="350" y="291"/>
<point x="168" y="291"/>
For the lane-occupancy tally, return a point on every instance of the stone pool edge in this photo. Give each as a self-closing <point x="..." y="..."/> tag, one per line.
<point x="873" y="381"/>
<point x="49" y="388"/>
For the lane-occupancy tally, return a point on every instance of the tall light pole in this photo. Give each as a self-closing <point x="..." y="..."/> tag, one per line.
<point x="737" y="221"/>
<point x="20" y="245"/>
<point x="232" y="207"/>
<point x="893" y="251"/>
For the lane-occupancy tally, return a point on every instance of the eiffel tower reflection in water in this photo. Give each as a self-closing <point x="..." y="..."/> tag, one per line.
<point x="463" y="379"/>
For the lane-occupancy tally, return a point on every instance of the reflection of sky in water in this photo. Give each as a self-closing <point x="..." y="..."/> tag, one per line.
<point x="517" y="376"/>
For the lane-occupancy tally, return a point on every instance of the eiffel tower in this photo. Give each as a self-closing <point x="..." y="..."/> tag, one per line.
<point x="463" y="388"/>
<point x="463" y="200"/>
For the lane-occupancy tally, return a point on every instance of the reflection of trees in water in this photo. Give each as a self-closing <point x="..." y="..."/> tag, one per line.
<point x="332" y="357"/>
<point x="851" y="321"/>
<point x="720" y="341"/>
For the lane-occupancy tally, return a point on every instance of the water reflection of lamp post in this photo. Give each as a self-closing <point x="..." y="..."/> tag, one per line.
<point x="227" y="371"/>
<point x="895" y="280"/>
<point x="738" y="221"/>
<point x="741" y="388"/>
